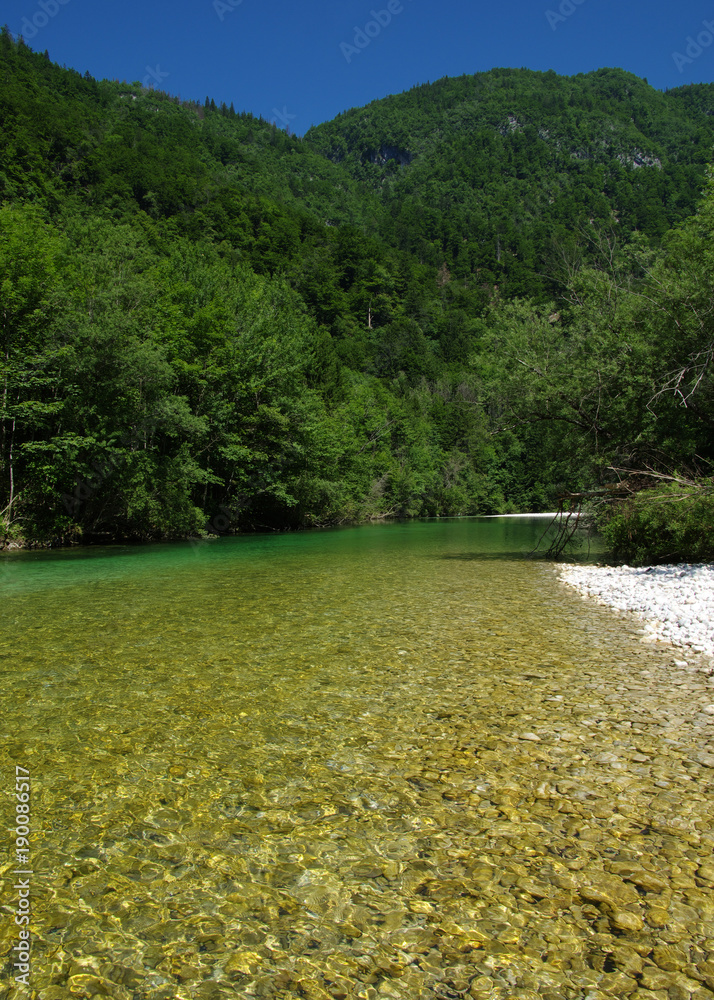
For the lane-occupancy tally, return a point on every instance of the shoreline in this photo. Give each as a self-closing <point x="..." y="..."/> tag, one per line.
<point x="92" y="540"/>
<point x="674" y="602"/>
<point x="557" y="513"/>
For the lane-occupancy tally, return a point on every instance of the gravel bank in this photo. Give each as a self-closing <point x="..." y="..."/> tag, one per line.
<point x="676" y="603"/>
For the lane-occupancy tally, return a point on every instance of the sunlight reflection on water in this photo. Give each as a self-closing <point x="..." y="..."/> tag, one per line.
<point x="400" y="758"/>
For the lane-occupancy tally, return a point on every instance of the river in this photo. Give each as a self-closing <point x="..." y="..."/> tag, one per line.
<point x="399" y="760"/>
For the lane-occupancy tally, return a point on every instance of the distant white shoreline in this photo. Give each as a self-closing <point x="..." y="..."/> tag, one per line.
<point x="556" y="513"/>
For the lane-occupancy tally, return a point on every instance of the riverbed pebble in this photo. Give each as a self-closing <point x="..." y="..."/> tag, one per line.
<point x="519" y="809"/>
<point x="676" y="603"/>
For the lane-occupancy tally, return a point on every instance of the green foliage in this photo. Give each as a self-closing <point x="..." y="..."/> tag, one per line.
<point x="30" y="251"/>
<point x="672" y="523"/>
<point x="494" y="173"/>
<point x="466" y="299"/>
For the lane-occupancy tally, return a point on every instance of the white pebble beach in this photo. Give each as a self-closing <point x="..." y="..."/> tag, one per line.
<point x="675" y="603"/>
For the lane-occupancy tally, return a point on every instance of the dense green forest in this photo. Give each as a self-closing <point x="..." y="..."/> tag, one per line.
<point x="481" y="296"/>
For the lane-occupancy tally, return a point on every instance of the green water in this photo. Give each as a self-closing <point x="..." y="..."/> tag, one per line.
<point x="399" y="760"/>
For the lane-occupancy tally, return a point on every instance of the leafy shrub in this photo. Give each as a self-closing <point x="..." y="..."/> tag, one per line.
<point x="672" y="523"/>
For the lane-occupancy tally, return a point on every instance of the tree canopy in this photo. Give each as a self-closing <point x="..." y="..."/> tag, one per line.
<point x="476" y="297"/>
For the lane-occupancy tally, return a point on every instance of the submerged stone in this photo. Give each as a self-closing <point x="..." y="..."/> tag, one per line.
<point x="272" y="802"/>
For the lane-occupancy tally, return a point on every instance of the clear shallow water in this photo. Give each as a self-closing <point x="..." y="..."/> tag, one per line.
<point x="398" y="760"/>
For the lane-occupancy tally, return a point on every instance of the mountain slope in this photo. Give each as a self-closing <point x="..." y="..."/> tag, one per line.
<point x="439" y="304"/>
<point x="492" y="173"/>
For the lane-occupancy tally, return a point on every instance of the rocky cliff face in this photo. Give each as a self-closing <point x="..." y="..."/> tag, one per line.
<point x="386" y="153"/>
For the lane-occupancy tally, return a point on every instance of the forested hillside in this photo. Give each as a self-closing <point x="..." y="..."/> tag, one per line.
<point x="507" y="168"/>
<point x="471" y="298"/>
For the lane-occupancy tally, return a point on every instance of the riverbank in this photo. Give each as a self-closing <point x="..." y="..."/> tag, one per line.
<point x="675" y="603"/>
<point x="90" y="539"/>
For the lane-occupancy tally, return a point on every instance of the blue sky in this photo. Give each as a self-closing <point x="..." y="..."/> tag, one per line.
<point x="303" y="62"/>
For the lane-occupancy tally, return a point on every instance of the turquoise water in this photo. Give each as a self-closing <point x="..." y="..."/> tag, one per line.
<point x="380" y="761"/>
